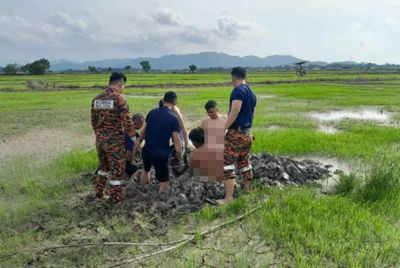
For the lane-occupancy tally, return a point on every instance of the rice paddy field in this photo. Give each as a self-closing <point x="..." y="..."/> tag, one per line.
<point x="66" y="81"/>
<point x="346" y="117"/>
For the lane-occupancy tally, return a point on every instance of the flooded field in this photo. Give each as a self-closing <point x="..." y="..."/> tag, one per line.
<point x="367" y="114"/>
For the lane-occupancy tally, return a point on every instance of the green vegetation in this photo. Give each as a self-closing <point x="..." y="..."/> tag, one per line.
<point x="84" y="81"/>
<point x="356" y="225"/>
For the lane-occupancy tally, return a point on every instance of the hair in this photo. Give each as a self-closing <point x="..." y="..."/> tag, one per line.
<point x="210" y="104"/>
<point x="197" y="135"/>
<point x="239" y="72"/>
<point x="161" y="103"/>
<point x="116" y="77"/>
<point x="137" y="117"/>
<point x="170" y="97"/>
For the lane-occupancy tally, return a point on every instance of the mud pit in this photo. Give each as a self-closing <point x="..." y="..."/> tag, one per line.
<point x="367" y="114"/>
<point x="187" y="194"/>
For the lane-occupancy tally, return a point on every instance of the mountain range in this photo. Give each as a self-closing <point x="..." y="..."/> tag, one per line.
<point x="178" y="62"/>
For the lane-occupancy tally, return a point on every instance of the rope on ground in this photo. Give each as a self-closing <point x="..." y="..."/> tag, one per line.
<point x="190" y="239"/>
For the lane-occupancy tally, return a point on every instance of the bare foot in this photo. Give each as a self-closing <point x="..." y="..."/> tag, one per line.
<point x="144" y="178"/>
<point x="224" y="201"/>
<point x="163" y="187"/>
<point x="137" y="176"/>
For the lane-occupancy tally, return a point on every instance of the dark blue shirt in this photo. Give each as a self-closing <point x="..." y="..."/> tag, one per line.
<point x="160" y="124"/>
<point x="129" y="145"/>
<point x="249" y="101"/>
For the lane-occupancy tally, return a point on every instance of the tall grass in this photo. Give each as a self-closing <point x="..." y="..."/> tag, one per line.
<point x="28" y="189"/>
<point x="327" y="231"/>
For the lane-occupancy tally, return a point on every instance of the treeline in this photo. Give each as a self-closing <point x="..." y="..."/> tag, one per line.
<point x="37" y="67"/>
<point x="42" y="66"/>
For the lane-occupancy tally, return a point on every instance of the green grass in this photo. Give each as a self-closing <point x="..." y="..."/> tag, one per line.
<point x="99" y="80"/>
<point x="321" y="231"/>
<point x="357" y="142"/>
<point x="27" y="189"/>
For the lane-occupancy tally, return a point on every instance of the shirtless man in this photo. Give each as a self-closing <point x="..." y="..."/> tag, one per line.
<point x="214" y="125"/>
<point x="207" y="162"/>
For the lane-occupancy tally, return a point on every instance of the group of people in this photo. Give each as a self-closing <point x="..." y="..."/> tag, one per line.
<point x="222" y="143"/>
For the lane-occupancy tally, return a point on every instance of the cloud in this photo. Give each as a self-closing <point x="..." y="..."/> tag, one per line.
<point x="57" y="29"/>
<point x="358" y="42"/>
<point x="66" y="22"/>
<point x="230" y="27"/>
<point x="168" y="17"/>
<point x="310" y="29"/>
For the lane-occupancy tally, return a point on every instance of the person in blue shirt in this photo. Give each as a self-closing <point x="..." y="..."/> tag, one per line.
<point x="161" y="125"/>
<point x="238" y="141"/>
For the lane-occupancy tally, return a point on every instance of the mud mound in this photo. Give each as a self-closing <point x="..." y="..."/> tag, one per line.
<point x="276" y="171"/>
<point x="188" y="194"/>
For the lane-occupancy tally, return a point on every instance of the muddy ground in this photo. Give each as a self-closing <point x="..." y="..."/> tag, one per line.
<point x="188" y="194"/>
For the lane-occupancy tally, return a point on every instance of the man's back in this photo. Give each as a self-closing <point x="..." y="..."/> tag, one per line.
<point x="207" y="163"/>
<point x="249" y="101"/>
<point x="160" y="124"/>
<point x="110" y="115"/>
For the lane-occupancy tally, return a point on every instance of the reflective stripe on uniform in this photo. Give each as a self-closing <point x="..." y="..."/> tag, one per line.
<point x="115" y="182"/>
<point x="249" y="167"/>
<point x="229" y="167"/>
<point x="102" y="173"/>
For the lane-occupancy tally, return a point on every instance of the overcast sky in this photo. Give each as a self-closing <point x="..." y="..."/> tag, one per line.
<point x="79" y="30"/>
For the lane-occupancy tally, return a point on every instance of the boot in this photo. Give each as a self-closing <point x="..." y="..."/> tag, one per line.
<point x="101" y="183"/>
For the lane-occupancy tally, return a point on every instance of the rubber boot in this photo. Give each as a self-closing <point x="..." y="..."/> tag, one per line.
<point x="116" y="193"/>
<point x="101" y="183"/>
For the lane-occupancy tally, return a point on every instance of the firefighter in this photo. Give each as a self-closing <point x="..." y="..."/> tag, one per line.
<point x="238" y="139"/>
<point x="110" y="120"/>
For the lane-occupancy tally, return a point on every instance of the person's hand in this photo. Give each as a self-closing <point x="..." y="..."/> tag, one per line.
<point x="179" y="156"/>
<point x="136" y="142"/>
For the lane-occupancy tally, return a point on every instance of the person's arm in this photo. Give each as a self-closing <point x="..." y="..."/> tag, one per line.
<point x="182" y="125"/>
<point x="233" y="114"/>
<point x="94" y="118"/>
<point x="177" y="144"/>
<point x="191" y="166"/>
<point x="123" y="110"/>
<point x="141" y="138"/>
<point x="203" y="123"/>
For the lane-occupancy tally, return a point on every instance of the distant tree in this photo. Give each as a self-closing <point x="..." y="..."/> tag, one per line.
<point x="92" y="69"/>
<point x="192" y="68"/>
<point x="11" y="69"/>
<point x="127" y="68"/>
<point x="25" y="68"/>
<point x="145" y="66"/>
<point x="39" y="67"/>
<point x="109" y="69"/>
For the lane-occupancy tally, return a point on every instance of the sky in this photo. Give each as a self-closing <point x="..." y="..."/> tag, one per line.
<point x="315" y="30"/>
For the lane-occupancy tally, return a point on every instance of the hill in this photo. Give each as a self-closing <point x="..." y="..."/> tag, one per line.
<point x="176" y="62"/>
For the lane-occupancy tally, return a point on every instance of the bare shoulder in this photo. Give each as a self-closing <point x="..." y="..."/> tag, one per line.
<point x="205" y="121"/>
<point x="223" y="118"/>
<point x="176" y="110"/>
